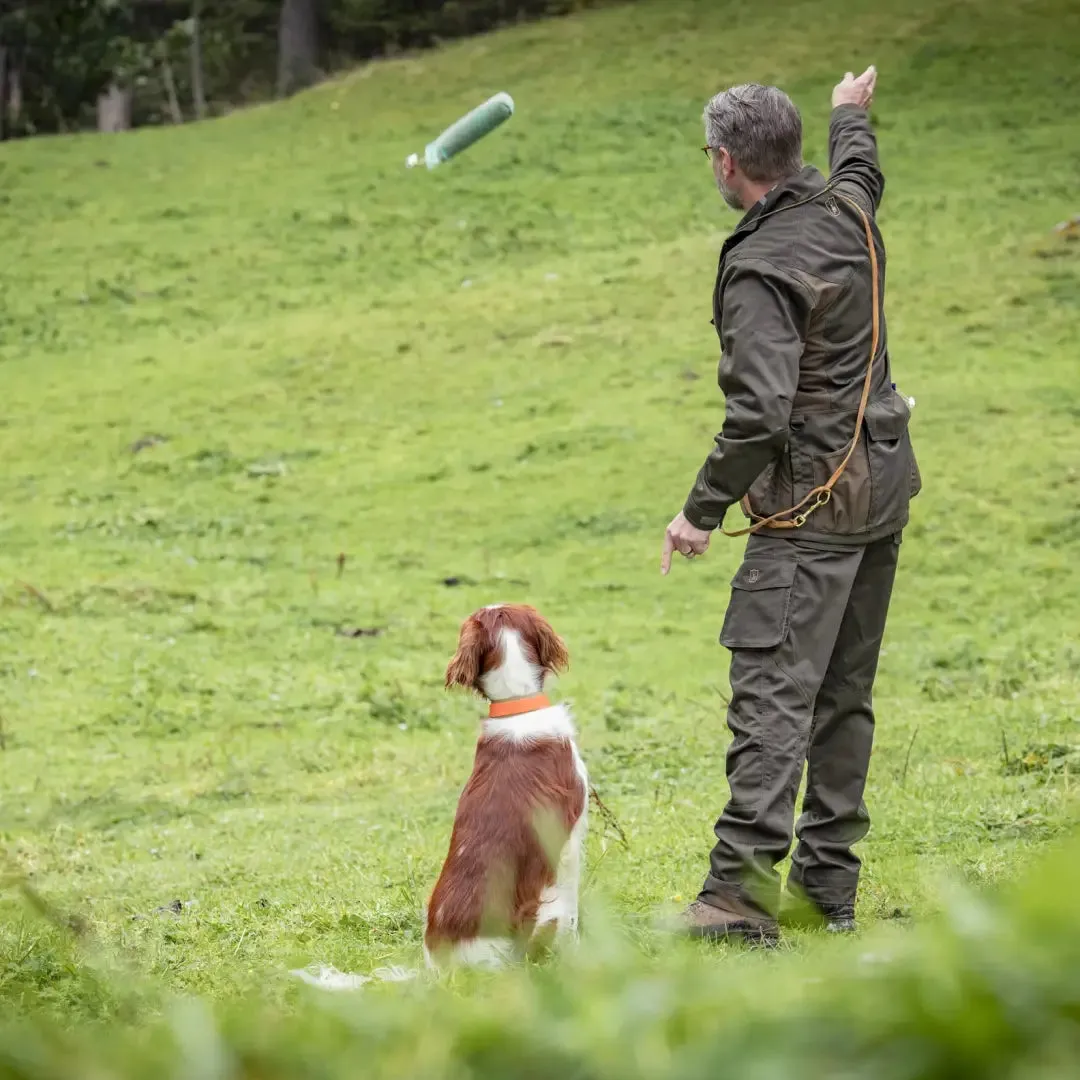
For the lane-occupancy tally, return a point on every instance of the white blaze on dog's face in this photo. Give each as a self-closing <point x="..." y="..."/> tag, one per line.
<point x="506" y="651"/>
<point x="517" y="676"/>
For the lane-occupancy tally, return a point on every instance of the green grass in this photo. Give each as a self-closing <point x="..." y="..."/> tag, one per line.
<point x="500" y="373"/>
<point x="991" y="991"/>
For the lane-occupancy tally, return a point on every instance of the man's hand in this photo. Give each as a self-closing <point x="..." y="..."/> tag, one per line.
<point x="852" y="91"/>
<point x="681" y="536"/>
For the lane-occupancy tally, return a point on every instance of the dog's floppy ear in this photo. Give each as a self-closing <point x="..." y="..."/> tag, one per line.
<point x="464" y="669"/>
<point x="551" y="652"/>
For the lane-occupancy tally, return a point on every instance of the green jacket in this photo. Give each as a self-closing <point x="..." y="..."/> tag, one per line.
<point x="793" y="308"/>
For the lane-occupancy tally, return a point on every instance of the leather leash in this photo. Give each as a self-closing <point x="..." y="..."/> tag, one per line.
<point x="822" y="494"/>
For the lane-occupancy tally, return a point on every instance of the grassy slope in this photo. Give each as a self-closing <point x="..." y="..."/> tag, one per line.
<point x="274" y="294"/>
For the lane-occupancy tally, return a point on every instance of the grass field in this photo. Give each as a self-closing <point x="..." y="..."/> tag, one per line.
<point x="496" y="382"/>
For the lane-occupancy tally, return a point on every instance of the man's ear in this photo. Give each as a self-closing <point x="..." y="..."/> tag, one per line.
<point x="464" y="669"/>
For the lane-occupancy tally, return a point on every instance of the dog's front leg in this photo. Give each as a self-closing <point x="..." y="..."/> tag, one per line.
<point x="557" y="916"/>
<point x="568" y="880"/>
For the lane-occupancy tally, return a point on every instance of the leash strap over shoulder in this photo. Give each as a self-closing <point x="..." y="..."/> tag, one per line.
<point x="795" y="516"/>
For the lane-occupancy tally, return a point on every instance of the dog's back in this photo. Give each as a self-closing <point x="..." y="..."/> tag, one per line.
<point x="515" y="846"/>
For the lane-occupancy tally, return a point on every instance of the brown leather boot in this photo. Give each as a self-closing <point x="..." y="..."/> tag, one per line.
<point x="733" y="921"/>
<point x="797" y="911"/>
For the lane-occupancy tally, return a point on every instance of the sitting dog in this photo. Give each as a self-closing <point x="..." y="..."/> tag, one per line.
<point x="510" y="879"/>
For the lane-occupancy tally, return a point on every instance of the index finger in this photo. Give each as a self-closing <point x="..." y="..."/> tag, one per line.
<point x="665" y="554"/>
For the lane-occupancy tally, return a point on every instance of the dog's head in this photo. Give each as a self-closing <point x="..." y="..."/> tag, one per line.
<point x="506" y="650"/>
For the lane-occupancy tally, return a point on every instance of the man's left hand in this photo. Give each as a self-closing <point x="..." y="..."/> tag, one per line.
<point x="684" y="538"/>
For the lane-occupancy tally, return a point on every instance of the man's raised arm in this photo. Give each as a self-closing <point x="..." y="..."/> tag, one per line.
<point x="853" y="156"/>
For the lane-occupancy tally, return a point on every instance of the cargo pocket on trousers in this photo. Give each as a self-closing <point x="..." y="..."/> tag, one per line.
<point x="757" y="616"/>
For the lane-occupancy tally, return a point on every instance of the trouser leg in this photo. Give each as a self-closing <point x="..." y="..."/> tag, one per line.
<point x="834" y="816"/>
<point x="787" y="603"/>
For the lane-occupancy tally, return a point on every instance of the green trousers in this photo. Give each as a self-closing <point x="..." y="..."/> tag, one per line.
<point x="804" y="626"/>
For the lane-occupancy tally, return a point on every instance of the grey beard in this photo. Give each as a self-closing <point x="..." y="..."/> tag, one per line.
<point x="729" y="196"/>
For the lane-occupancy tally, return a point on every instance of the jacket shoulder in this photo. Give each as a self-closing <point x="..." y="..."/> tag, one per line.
<point x="817" y="246"/>
<point x="778" y="265"/>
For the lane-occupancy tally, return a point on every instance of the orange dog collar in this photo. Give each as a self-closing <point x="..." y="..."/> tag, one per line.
<point x="501" y="709"/>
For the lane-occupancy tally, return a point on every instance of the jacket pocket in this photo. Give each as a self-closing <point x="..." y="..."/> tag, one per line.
<point x="916" y="477"/>
<point x="774" y="489"/>
<point x="893" y="472"/>
<point x="757" y="616"/>
<point x="849" y="508"/>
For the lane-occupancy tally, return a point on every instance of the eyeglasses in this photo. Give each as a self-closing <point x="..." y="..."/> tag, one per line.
<point x="710" y="150"/>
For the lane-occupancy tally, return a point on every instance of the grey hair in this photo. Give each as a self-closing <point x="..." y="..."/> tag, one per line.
<point x="759" y="127"/>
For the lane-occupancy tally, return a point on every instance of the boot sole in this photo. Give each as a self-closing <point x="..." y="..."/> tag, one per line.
<point x="766" y="936"/>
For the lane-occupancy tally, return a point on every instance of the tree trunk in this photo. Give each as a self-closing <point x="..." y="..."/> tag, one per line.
<point x="171" y="99"/>
<point x="3" y="93"/>
<point x="298" y="46"/>
<point x="114" y="109"/>
<point x="14" y="98"/>
<point x="197" y="93"/>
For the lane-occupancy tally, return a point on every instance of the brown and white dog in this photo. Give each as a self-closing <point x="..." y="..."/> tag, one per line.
<point x="511" y="876"/>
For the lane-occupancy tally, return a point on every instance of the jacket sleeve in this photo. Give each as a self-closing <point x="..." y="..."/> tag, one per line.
<point x="765" y="316"/>
<point x="853" y="155"/>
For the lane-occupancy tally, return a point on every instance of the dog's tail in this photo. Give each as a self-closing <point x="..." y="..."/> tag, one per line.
<point x="327" y="977"/>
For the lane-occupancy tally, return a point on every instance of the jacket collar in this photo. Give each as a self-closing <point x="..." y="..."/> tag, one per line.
<point x="804" y="184"/>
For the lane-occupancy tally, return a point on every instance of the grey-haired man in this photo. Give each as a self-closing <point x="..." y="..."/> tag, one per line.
<point x="794" y="306"/>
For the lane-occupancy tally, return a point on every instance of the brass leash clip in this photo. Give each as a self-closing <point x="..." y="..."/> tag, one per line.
<point x="822" y="500"/>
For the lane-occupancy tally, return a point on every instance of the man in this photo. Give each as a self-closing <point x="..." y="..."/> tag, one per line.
<point x="794" y="307"/>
